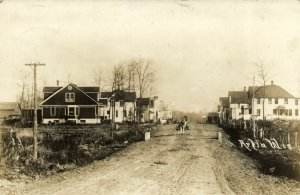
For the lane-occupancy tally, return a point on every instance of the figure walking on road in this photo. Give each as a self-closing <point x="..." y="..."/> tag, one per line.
<point x="183" y="125"/>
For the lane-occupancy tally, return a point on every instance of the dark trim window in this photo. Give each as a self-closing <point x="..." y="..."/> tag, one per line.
<point x="108" y="112"/>
<point x="296" y="112"/>
<point x="286" y="101"/>
<point x="77" y="111"/>
<point x="270" y="100"/>
<point x="70" y="97"/>
<point x="290" y="112"/>
<point x="276" y="100"/>
<point x="71" y="111"/>
<point x="286" y="112"/>
<point x="258" y="112"/>
<point x="296" y="101"/>
<point x="52" y="111"/>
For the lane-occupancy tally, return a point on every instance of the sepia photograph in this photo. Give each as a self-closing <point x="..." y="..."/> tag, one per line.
<point x="123" y="97"/>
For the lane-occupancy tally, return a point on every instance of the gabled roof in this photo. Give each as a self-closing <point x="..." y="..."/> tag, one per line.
<point x="224" y="101"/>
<point x="239" y="97"/>
<point x="143" y="101"/>
<point x="88" y="89"/>
<point x="120" y="95"/>
<point x="9" y="108"/>
<point x="75" y="86"/>
<point x="271" y="91"/>
<point x="51" y="89"/>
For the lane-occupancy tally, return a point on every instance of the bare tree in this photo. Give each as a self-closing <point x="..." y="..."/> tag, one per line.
<point x="263" y="74"/>
<point x="130" y="78"/>
<point x="99" y="78"/>
<point x="22" y="84"/>
<point x="118" y="81"/>
<point x="145" y="78"/>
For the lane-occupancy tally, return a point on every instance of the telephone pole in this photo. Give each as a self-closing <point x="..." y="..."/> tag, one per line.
<point x="35" y="65"/>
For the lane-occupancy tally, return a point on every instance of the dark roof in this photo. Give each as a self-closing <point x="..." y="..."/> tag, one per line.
<point x="90" y="89"/>
<point x="51" y="89"/>
<point x="271" y="91"/>
<point x="143" y="101"/>
<point x="84" y="89"/>
<point x="224" y="101"/>
<point x="9" y="108"/>
<point x="120" y="95"/>
<point x="210" y="114"/>
<point x="239" y="97"/>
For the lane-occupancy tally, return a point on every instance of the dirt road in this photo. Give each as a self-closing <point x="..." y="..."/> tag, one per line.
<point x="167" y="164"/>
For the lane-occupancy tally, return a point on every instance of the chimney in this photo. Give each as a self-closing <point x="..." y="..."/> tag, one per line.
<point x="245" y="88"/>
<point x="272" y="82"/>
<point x="57" y="83"/>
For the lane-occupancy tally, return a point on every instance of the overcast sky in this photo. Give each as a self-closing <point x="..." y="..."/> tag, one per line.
<point x="200" y="50"/>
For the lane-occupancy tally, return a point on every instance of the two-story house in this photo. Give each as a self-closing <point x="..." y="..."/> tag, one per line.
<point x="118" y="105"/>
<point x="272" y="101"/>
<point x="70" y="104"/>
<point x="239" y="105"/>
<point x="149" y="109"/>
<point x="269" y="101"/>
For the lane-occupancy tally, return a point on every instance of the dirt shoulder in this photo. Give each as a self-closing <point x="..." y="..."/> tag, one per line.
<point x="243" y="174"/>
<point x="194" y="163"/>
<point x="167" y="164"/>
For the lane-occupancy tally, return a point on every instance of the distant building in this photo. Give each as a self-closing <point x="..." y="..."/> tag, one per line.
<point x="271" y="101"/>
<point x="213" y="118"/>
<point x="9" y="109"/>
<point x="118" y="104"/>
<point x="149" y="109"/>
<point x="278" y="103"/>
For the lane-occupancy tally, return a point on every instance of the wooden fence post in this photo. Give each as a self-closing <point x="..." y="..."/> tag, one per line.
<point x="296" y="140"/>
<point x="1" y="147"/>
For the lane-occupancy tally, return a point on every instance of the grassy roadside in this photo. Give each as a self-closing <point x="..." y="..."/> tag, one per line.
<point x="243" y="174"/>
<point x="62" y="148"/>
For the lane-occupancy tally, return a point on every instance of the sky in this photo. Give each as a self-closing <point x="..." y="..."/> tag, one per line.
<point x="199" y="50"/>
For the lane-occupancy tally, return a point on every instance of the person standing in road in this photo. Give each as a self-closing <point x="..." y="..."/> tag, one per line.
<point x="183" y="125"/>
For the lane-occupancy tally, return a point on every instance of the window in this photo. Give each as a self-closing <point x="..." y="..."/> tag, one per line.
<point x="296" y="101"/>
<point x="274" y="111"/>
<point x="276" y="100"/>
<point x="77" y="111"/>
<point x="281" y="112"/>
<point x="290" y="112"/>
<point x="71" y="111"/>
<point x="258" y="101"/>
<point x="270" y="100"/>
<point x="124" y="113"/>
<point x="70" y="97"/>
<point x="121" y="103"/>
<point x="52" y="111"/>
<point x="286" y="112"/>
<point x="108" y="112"/>
<point x="258" y="112"/>
<point x="286" y="101"/>
<point x="296" y="112"/>
<point x="242" y="108"/>
<point x="117" y="114"/>
<point x="250" y="111"/>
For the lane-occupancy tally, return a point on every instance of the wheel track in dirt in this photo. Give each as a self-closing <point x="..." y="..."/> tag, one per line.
<point x="167" y="164"/>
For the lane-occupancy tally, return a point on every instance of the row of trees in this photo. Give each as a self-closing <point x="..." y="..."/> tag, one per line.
<point x="130" y="75"/>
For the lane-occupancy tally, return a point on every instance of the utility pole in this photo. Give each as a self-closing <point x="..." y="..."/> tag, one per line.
<point x="253" y="101"/>
<point x="35" y="145"/>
